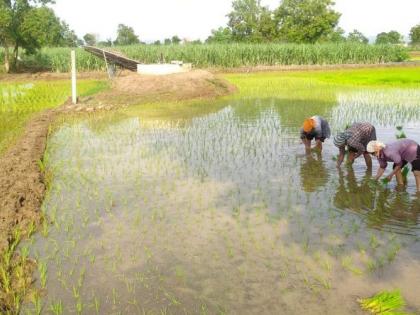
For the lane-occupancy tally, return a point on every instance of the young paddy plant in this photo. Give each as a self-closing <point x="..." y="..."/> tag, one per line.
<point x="384" y="303"/>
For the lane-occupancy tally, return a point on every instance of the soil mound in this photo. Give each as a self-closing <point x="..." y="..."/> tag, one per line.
<point x="136" y="89"/>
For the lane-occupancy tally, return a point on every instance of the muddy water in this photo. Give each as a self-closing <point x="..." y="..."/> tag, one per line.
<point x="225" y="214"/>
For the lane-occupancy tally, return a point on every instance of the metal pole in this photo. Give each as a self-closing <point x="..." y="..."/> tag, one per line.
<point x="73" y="77"/>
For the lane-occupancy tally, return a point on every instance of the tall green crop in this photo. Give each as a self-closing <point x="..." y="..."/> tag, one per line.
<point x="227" y="55"/>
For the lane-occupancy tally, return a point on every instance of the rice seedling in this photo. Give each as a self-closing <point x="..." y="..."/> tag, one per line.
<point x="43" y="269"/>
<point x="386" y="302"/>
<point x="347" y="263"/>
<point x="56" y="307"/>
<point x="23" y="101"/>
<point x="219" y="194"/>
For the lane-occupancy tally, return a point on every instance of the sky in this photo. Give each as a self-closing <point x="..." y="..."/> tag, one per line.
<point x="194" y="19"/>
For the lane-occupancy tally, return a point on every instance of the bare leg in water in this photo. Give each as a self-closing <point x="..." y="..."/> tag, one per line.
<point x="417" y="176"/>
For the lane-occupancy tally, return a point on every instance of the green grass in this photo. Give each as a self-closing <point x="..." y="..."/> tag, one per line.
<point x="226" y="55"/>
<point x="19" y="102"/>
<point x="273" y="83"/>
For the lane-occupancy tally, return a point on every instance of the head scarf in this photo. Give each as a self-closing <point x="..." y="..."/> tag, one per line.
<point x="373" y="144"/>
<point x="308" y="125"/>
<point x="341" y="138"/>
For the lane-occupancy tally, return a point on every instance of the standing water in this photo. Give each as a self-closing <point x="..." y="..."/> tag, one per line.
<point x="223" y="213"/>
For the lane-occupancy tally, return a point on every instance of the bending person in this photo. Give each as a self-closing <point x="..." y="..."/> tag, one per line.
<point x="400" y="152"/>
<point x="316" y="128"/>
<point x="356" y="138"/>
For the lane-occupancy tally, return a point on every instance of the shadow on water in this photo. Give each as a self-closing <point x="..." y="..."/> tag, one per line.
<point x="381" y="207"/>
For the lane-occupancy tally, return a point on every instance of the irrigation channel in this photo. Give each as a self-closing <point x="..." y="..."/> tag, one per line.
<point x="221" y="212"/>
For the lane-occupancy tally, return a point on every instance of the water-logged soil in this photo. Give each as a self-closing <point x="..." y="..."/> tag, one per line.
<point x="22" y="181"/>
<point x="224" y="213"/>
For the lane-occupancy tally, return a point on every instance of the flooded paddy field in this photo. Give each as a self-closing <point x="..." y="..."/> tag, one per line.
<point x="218" y="210"/>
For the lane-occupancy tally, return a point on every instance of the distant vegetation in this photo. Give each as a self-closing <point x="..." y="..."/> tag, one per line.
<point x="284" y="36"/>
<point x="227" y="55"/>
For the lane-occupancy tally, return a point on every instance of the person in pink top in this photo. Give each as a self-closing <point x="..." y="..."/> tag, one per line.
<point x="400" y="152"/>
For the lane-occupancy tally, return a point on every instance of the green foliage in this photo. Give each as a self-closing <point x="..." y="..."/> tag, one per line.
<point x="392" y="37"/>
<point x="126" y="36"/>
<point x="33" y="29"/>
<point x="337" y="36"/>
<point x="384" y="303"/>
<point x="90" y="39"/>
<point x="18" y="102"/>
<point x="415" y="35"/>
<point x="357" y="37"/>
<point x="306" y="21"/>
<point x="175" y="40"/>
<point x="30" y="25"/>
<point x="227" y="55"/>
<point x="250" y="22"/>
<point x="221" y="35"/>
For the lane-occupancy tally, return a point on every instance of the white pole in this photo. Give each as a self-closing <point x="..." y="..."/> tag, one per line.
<point x="73" y="77"/>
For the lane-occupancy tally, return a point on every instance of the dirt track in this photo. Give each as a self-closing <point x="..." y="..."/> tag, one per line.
<point x="22" y="184"/>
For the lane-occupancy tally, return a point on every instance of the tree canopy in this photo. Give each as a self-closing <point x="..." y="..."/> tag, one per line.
<point x="392" y="37"/>
<point x="126" y="36"/>
<point x="90" y="39"/>
<point x="415" y="35"/>
<point x="357" y="37"/>
<point x="297" y="21"/>
<point x="29" y="24"/>
<point x="306" y="21"/>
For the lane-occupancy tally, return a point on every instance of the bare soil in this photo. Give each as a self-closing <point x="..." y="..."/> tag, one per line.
<point x="22" y="185"/>
<point x="135" y="89"/>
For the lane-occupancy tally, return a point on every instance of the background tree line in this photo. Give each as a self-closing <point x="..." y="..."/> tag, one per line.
<point x="294" y="21"/>
<point x="30" y="24"/>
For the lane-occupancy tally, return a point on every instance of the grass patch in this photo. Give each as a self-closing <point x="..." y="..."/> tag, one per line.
<point x="275" y="82"/>
<point x="19" y="102"/>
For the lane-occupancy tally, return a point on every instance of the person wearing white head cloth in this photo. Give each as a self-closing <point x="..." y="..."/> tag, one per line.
<point x="356" y="138"/>
<point x="401" y="152"/>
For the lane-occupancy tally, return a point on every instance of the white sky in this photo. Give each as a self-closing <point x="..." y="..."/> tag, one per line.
<point x="192" y="19"/>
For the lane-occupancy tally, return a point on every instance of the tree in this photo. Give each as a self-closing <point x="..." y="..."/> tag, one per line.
<point x="357" y="37"/>
<point x="267" y="27"/>
<point x="305" y="21"/>
<point x="392" y="37"/>
<point x="221" y="35"/>
<point x="27" y="24"/>
<point x="244" y="20"/>
<point x="415" y="35"/>
<point x="69" y="37"/>
<point x="126" y="36"/>
<point x="157" y="42"/>
<point x="337" y="36"/>
<point x="175" y="40"/>
<point x="90" y="39"/>
<point x="167" y="41"/>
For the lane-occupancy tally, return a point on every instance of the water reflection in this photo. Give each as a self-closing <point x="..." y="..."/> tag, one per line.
<point x="382" y="208"/>
<point x="313" y="172"/>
